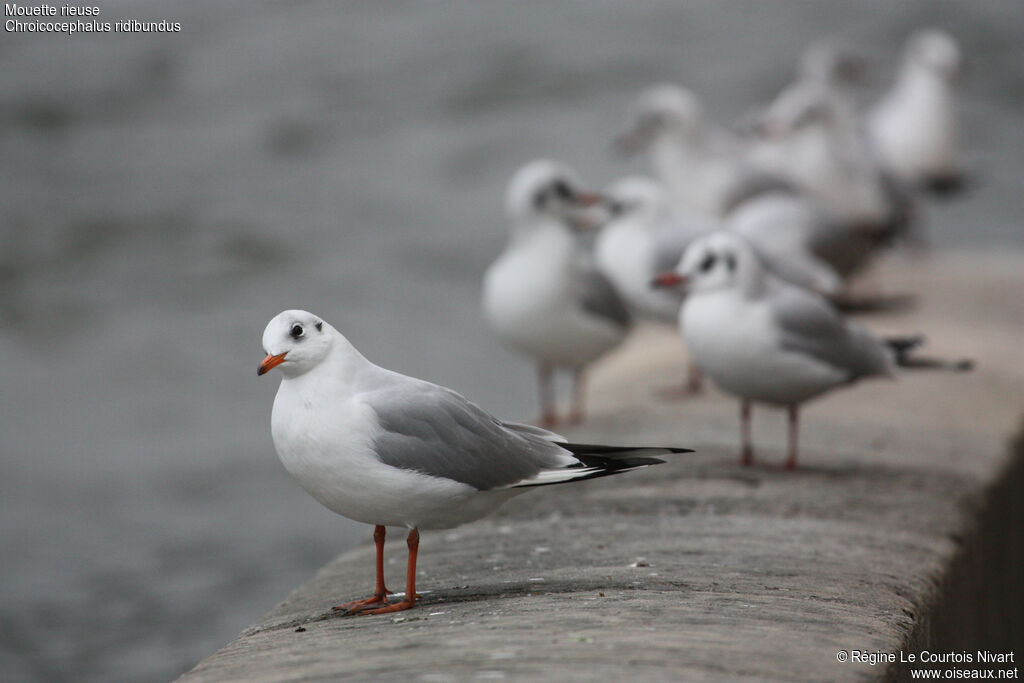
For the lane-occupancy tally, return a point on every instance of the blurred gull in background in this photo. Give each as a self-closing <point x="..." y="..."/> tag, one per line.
<point x="800" y="241"/>
<point x="644" y="236"/>
<point x="703" y="165"/>
<point x="544" y="296"/>
<point x="807" y="135"/>
<point x="914" y="126"/>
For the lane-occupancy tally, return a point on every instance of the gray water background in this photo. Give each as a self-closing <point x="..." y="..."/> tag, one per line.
<point x="164" y="195"/>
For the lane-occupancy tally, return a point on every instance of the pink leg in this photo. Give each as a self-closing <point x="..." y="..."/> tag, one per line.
<point x="694" y="380"/>
<point x="794" y="416"/>
<point x="747" y="452"/>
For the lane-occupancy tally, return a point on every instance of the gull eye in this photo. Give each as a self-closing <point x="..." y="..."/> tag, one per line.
<point x="296" y="332"/>
<point x="708" y="263"/>
<point x="562" y="189"/>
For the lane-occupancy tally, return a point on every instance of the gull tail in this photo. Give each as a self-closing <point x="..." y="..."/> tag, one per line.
<point x="903" y="346"/>
<point x="600" y="461"/>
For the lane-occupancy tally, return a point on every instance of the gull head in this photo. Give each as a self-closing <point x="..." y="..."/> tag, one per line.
<point x="296" y="341"/>
<point x="803" y="108"/>
<point x="719" y="261"/>
<point x="934" y="51"/>
<point x="543" y="191"/>
<point x="660" y="110"/>
<point x="636" y="197"/>
<point x="833" y="64"/>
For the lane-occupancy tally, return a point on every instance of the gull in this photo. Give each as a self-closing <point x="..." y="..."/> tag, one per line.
<point x="768" y="341"/>
<point x="797" y="239"/>
<point x="702" y="164"/>
<point x="390" y="450"/>
<point x="809" y="135"/>
<point x="644" y="236"/>
<point x="543" y="296"/>
<point x="802" y="241"/>
<point x="914" y="126"/>
<point x="834" y="64"/>
<point x="826" y="65"/>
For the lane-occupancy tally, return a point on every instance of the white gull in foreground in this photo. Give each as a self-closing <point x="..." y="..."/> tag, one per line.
<point x="385" y="449"/>
<point x="768" y="341"/>
<point x="544" y="296"/>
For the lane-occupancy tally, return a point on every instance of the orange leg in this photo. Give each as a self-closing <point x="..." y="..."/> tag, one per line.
<point x="381" y="592"/>
<point x="410" y="581"/>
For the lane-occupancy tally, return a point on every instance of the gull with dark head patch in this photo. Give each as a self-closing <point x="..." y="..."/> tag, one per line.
<point x="390" y="450"/>
<point x="767" y="341"/>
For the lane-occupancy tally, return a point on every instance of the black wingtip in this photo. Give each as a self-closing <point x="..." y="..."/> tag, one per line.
<point x="905" y="343"/>
<point x="600" y="449"/>
<point x="612" y="459"/>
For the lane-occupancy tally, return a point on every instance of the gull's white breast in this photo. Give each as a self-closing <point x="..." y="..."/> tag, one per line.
<point x="914" y="128"/>
<point x="530" y="302"/>
<point x="325" y="441"/>
<point x="736" y="343"/>
<point x="625" y="254"/>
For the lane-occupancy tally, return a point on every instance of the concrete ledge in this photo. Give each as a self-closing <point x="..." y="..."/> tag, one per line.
<point x="903" y="531"/>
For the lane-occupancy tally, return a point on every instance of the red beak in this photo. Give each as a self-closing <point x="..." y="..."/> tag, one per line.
<point x="271" y="362"/>
<point x="669" y="279"/>
<point x="588" y="198"/>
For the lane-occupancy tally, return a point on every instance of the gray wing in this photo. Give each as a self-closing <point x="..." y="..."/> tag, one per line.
<point x="534" y="431"/>
<point x="598" y="296"/>
<point x="808" y="324"/>
<point x="433" y="430"/>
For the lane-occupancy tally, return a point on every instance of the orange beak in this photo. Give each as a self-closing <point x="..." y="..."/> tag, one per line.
<point x="271" y="362"/>
<point x="669" y="279"/>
